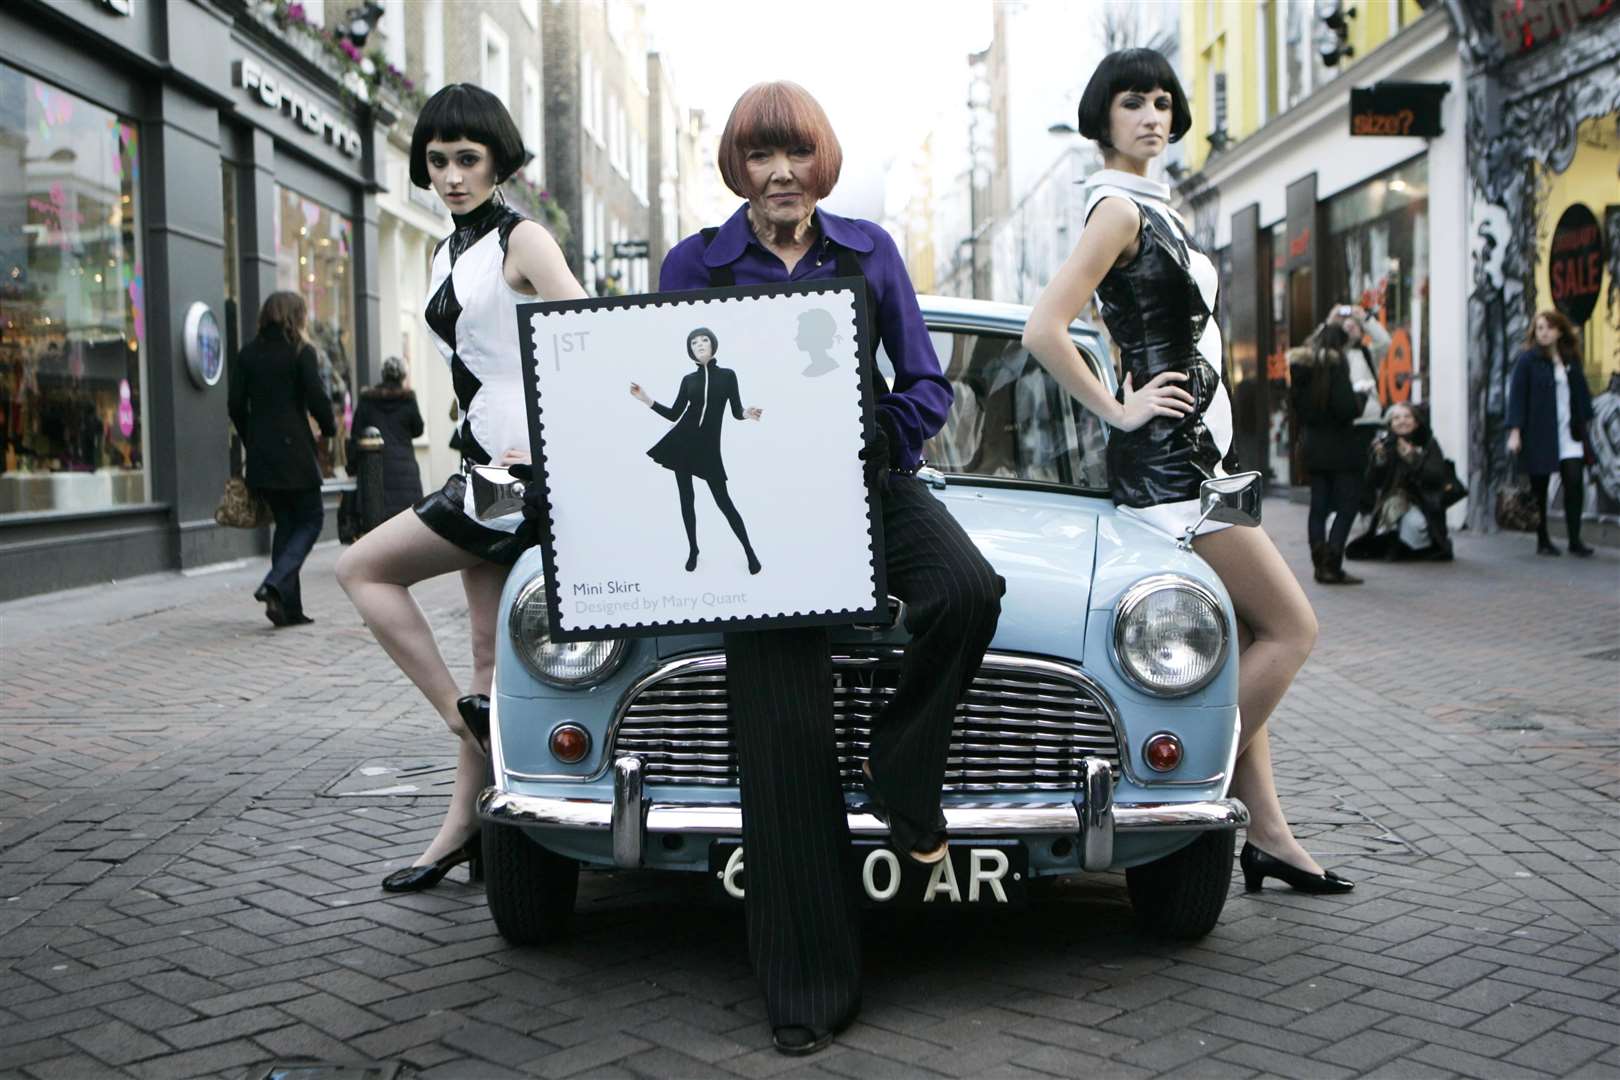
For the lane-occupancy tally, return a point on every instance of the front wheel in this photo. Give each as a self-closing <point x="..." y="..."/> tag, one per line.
<point x="1181" y="895"/>
<point x="530" y="890"/>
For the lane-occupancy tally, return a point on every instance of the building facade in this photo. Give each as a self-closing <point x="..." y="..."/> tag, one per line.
<point x="597" y="143"/>
<point x="1543" y="208"/>
<point x="1452" y="240"/>
<point x="1303" y="215"/>
<point x="166" y="167"/>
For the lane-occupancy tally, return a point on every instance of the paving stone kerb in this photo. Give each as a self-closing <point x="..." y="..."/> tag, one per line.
<point x="178" y="897"/>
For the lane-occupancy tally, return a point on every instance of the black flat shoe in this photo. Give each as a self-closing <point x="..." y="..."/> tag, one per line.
<point x="273" y="609"/>
<point x="417" y="878"/>
<point x="1257" y="866"/>
<point x="925" y="848"/>
<point x="797" y="1041"/>
<point x="753" y="564"/>
<point x="1546" y="548"/>
<point x="474" y="710"/>
<point x="1578" y="548"/>
<point x="691" y="561"/>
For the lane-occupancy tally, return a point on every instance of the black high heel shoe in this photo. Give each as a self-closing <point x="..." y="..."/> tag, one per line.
<point x="474" y="710"/>
<point x="417" y="878"/>
<point x="1257" y="866"/>
<point x="927" y="848"/>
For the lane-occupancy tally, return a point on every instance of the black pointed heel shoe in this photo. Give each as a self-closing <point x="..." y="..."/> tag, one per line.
<point x="418" y="878"/>
<point x="474" y="710"/>
<point x="926" y="848"/>
<point x="1257" y="866"/>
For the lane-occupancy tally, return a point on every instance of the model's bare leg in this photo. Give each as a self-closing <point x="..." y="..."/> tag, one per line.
<point x="482" y="583"/>
<point x="1281" y="630"/>
<point x="377" y="573"/>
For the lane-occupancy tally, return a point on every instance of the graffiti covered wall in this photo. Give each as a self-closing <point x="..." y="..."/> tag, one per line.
<point x="1525" y="114"/>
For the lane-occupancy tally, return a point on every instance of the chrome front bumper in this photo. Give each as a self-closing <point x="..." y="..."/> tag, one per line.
<point x="1091" y="816"/>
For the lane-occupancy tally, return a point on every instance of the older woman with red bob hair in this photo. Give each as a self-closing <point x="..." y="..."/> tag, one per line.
<point x="778" y="152"/>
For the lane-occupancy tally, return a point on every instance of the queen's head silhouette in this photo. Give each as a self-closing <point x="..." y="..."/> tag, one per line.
<point x="817" y="332"/>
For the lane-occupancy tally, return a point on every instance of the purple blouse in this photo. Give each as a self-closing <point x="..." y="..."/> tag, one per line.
<point x="920" y="397"/>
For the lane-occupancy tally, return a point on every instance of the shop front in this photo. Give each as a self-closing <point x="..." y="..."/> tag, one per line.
<point x="1309" y="215"/>
<point x="163" y="168"/>
<point x="1544" y="208"/>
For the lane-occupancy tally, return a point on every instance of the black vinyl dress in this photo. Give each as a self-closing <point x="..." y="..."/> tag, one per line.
<point x="693" y="444"/>
<point x="1159" y="310"/>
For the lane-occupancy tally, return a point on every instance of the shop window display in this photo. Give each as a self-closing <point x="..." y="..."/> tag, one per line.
<point x="1376" y="254"/>
<point x="72" y="316"/>
<point x="314" y="258"/>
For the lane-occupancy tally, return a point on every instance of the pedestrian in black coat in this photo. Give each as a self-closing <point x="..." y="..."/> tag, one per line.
<point x="1549" y="406"/>
<point x="692" y="447"/>
<point x="391" y="408"/>
<point x="1334" y="452"/>
<point x="275" y="392"/>
<point x="1408" y="475"/>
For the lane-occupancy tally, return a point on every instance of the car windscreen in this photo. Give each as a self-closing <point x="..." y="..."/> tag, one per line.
<point x="1010" y="419"/>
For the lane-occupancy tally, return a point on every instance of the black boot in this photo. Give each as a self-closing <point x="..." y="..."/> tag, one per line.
<point x="1317" y="551"/>
<point x="1333" y="568"/>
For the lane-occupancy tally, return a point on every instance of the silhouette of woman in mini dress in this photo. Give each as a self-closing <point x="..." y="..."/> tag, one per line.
<point x="692" y="447"/>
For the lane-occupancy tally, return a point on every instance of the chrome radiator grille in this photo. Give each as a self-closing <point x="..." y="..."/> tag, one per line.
<point x="1024" y="725"/>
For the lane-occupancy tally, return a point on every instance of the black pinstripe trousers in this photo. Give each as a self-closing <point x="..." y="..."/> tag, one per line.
<point x="802" y="902"/>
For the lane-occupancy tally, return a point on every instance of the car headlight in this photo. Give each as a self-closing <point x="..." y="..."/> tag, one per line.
<point x="570" y="665"/>
<point x="1169" y="635"/>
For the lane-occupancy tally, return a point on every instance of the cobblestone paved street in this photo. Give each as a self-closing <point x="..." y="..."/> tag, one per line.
<point x="181" y="893"/>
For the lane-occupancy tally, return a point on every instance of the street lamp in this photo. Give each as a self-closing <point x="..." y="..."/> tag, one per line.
<point x="362" y="21"/>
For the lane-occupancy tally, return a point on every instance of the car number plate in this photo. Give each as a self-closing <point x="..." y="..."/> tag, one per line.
<point x="979" y="873"/>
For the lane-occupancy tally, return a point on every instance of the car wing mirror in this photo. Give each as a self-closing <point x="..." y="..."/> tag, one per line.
<point x="1234" y="500"/>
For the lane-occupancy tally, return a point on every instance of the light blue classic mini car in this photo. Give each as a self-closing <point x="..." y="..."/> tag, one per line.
<point x="1099" y="734"/>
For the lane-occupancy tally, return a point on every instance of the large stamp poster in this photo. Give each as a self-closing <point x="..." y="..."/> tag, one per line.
<point x="700" y="459"/>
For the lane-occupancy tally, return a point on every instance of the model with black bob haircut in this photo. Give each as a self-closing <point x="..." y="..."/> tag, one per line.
<point x="1141" y="70"/>
<point x="464" y="146"/>
<point x="1171" y="417"/>
<point x="465" y="111"/>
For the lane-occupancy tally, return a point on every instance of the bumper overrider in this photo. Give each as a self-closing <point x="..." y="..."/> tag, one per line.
<point x="1090" y="816"/>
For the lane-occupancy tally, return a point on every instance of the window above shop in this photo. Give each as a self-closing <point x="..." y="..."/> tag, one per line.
<point x="1402" y="187"/>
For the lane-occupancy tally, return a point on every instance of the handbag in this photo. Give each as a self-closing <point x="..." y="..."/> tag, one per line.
<point x="496" y="492"/>
<point x="1452" y="489"/>
<point x="1516" y="504"/>
<point x="240" y="508"/>
<point x="350" y="527"/>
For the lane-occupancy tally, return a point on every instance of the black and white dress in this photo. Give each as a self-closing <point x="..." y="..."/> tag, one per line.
<point x="1160" y="311"/>
<point x="470" y="310"/>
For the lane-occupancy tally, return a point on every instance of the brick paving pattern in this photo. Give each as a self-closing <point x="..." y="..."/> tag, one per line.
<point x="181" y="895"/>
